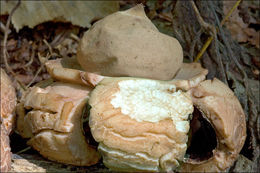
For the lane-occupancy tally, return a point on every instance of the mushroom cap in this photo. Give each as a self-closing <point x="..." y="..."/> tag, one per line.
<point x="52" y="118"/>
<point x="130" y="144"/>
<point x="222" y="108"/>
<point x="5" y="151"/>
<point x="8" y="102"/>
<point x="127" y="43"/>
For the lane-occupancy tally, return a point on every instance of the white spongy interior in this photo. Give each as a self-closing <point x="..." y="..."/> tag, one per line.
<point x="152" y="101"/>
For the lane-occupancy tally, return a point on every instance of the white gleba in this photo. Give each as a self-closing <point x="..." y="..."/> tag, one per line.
<point x="140" y="124"/>
<point x="148" y="100"/>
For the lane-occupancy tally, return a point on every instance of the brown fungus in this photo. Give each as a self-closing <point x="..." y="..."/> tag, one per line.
<point x="51" y="118"/>
<point x="214" y="106"/>
<point x="127" y="43"/>
<point x="223" y="111"/>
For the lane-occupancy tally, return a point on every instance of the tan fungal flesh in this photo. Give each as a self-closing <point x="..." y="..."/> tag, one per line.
<point x="141" y="125"/>
<point x="226" y="115"/>
<point x="51" y="118"/>
<point x="128" y="144"/>
<point x="127" y="43"/>
<point x="67" y="71"/>
<point x="189" y="76"/>
<point x="119" y="142"/>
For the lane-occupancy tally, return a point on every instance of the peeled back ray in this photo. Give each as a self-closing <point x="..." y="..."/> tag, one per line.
<point x="128" y="44"/>
<point x="51" y="118"/>
<point x="226" y="115"/>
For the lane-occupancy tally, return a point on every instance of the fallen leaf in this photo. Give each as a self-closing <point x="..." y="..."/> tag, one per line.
<point x="238" y="28"/>
<point x="26" y="79"/>
<point x="81" y="13"/>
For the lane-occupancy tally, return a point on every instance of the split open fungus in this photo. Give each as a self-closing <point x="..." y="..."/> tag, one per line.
<point x="163" y="115"/>
<point x="144" y="125"/>
<point x="151" y="125"/>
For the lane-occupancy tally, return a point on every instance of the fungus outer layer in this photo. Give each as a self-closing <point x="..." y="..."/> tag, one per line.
<point x="127" y="43"/>
<point x="51" y="118"/>
<point x="223" y="110"/>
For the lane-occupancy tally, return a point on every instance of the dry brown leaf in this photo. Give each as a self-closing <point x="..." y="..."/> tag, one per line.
<point x="67" y="46"/>
<point x="238" y="28"/>
<point x="81" y="13"/>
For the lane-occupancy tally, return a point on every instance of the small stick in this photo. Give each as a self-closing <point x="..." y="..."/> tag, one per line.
<point x="2" y="27"/>
<point x="75" y="37"/>
<point x="23" y="150"/>
<point x="5" y="53"/>
<point x="40" y="69"/>
<point x="48" y="45"/>
<point x="42" y="63"/>
<point x="31" y="59"/>
<point x="9" y="69"/>
<point x="206" y="45"/>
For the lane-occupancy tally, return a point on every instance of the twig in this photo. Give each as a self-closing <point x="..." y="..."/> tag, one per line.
<point x="48" y="45"/>
<point x="42" y="61"/>
<point x="23" y="150"/>
<point x="200" y="19"/>
<point x="219" y="59"/>
<point x="40" y="69"/>
<point x="75" y="37"/>
<point x="5" y="53"/>
<point x="206" y="45"/>
<point x="58" y="39"/>
<point x="31" y="59"/>
<point x="193" y="43"/>
<point x="9" y="69"/>
<point x="2" y="27"/>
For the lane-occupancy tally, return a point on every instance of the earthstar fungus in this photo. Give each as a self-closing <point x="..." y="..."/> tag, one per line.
<point x="147" y="108"/>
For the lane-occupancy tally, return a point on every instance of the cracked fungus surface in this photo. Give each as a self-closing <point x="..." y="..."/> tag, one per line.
<point x="140" y="124"/>
<point x="51" y="118"/>
<point x="147" y="100"/>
